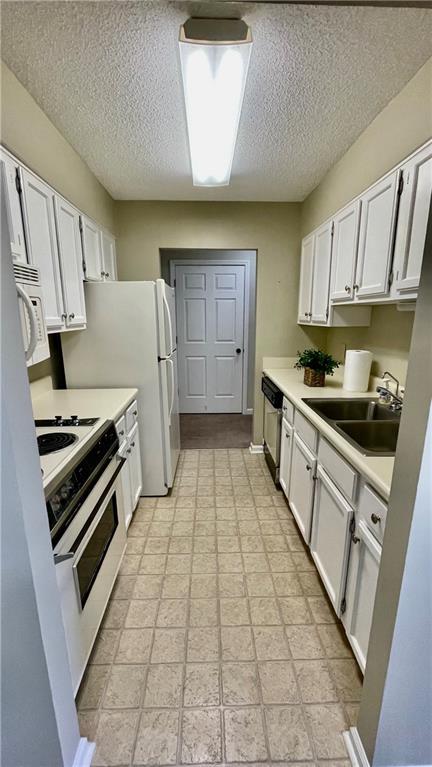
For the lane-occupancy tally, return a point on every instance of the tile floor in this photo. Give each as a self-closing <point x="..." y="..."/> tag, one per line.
<point x="218" y="645"/>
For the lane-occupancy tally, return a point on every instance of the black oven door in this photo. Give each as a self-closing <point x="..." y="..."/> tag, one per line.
<point x="92" y="545"/>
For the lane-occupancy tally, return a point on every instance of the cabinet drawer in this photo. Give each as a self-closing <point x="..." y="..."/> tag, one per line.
<point x="341" y="472"/>
<point x="288" y="410"/>
<point x="373" y="511"/>
<point x="306" y="431"/>
<point x="120" y="427"/>
<point x="131" y="416"/>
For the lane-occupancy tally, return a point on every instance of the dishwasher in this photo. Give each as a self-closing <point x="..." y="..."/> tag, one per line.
<point x="273" y="398"/>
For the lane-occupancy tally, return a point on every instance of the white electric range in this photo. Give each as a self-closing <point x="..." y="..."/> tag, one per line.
<point x="81" y="469"/>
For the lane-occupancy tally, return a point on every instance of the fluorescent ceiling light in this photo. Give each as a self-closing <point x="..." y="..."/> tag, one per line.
<point x="214" y="76"/>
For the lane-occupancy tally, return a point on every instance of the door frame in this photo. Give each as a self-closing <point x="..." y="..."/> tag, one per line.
<point x="246" y="312"/>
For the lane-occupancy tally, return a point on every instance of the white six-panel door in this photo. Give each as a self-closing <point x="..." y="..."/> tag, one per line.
<point x="210" y="328"/>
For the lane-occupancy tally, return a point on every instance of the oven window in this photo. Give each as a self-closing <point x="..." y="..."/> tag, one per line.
<point x="93" y="555"/>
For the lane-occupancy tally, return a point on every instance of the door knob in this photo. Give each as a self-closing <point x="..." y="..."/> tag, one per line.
<point x="238" y="351"/>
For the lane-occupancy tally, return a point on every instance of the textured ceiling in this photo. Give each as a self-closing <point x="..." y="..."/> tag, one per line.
<point x="107" y="74"/>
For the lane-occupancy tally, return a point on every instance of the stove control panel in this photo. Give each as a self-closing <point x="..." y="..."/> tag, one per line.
<point x="72" y="420"/>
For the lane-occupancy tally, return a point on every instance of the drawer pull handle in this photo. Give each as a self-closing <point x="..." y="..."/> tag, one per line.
<point x="375" y="518"/>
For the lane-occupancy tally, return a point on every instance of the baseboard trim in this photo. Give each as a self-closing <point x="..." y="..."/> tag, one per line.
<point x="355" y="749"/>
<point x="84" y="753"/>
<point x="254" y="449"/>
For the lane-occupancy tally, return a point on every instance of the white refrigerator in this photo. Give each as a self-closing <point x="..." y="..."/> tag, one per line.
<point x="130" y="341"/>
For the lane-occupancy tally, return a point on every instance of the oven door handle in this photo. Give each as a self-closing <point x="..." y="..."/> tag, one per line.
<point x="32" y="320"/>
<point x="59" y="558"/>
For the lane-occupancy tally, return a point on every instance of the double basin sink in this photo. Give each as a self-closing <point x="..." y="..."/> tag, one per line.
<point x="366" y="423"/>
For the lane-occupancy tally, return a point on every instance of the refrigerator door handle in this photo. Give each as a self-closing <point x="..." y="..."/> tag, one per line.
<point x="168" y="316"/>
<point x="171" y="363"/>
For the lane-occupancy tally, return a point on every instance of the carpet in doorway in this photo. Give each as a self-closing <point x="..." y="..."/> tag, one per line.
<point x="214" y="430"/>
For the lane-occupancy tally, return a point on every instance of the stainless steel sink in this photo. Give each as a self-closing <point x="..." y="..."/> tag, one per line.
<point x="372" y="437"/>
<point x="366" y="423"/>
<point x="351" y="409"/>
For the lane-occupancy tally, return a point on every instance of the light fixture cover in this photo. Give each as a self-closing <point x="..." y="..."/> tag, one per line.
<point x="214" y="71"/>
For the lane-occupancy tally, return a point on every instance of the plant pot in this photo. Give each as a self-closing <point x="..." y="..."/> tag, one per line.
<point x="314" y="377"/>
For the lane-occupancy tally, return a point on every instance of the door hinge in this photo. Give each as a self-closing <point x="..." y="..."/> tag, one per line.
<point x="80" y="225"/>
<point x="175" y="283"/>
<point x="400" y="184"/>
<point x="327" y="314"/>
<point x="84" y="266"/>
<point x="343" y="606"/>
<point x="18" y="182"/>
<point x="332" y="228"/>
<point x="390" y="279"/>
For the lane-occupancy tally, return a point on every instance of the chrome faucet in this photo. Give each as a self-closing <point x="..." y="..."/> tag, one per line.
<point x="387" y="374"/>
<point x="386" y="395"/>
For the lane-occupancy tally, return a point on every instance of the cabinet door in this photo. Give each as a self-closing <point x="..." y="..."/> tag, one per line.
<point x="377" y="223"/>
<point x="135" y="466"/>
<point x="69" y="245"/>
<point x="412" y="220"/>
<point x="345" y="244"/>
<point x="303" y="464"/>
<point x="13" y="209"/>
<point x="360" y="593"/>
<point x="321" y="274"/>
<point x="42" y="244"/>
<point x="306" y="274"/>
<point x="330" y="537"/>
<point x="109" y="260"/>
<point x="126" y="486"/>
<point x="91" y="243"/>
<point x="285" y="456"/>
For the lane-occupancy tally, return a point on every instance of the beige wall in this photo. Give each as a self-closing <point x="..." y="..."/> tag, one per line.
<point x="404" y="124"/>
<point x="272" y="229"/>
<point x="31" y="136"/>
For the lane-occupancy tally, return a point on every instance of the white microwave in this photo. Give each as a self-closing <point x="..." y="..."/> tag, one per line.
<point x="31" y="313"/>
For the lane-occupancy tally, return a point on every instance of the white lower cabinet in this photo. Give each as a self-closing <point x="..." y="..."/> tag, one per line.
<point x="134" y="461"/>
<point x="360" y="592"/>
<point x="285" y="456"/>
<point x="301" y="489"/>
<point x="330" y="537"/>
<point x="131" y="472"/>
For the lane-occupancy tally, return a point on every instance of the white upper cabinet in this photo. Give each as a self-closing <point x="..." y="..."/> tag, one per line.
<point x="109" y="260"/>
<point x="345" y="243"/>
<point x="42" y="245"/>
<point x="69" y="245"/>
<point x="412" y="221"/>
<point x="92" y="249"/>
<point x="13" y="208"/>
<point x="377" y="223"/>
<point x="306" y="275"/>
<point x="321" y="274"/>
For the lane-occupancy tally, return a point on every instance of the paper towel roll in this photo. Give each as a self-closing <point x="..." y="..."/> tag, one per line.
<point x="357" y="370"/>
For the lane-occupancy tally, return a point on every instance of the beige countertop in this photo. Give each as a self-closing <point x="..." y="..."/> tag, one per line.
<point x="86" y="403"/>
<point x="378" y="470"/>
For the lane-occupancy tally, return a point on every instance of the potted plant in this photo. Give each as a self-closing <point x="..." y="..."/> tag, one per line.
<point x="315" y="364"/>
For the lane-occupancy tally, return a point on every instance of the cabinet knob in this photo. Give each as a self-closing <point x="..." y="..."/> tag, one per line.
<point x="64" y="316"/>
<point x="106" y="274"/>
<point x="308" y="468"/>
<point x="129" y="450"/>
<point x="375" y="518"/>
<point x="355" y="538"/>
<point x="102" y="274"/>
<point x="121" y="432"/>
<point x="356" y="287"/>
<point x="132" y="444"/>
<point x="135" y="412"/>
<point x="71" y="316"/>
<point x="348" y="288"/>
